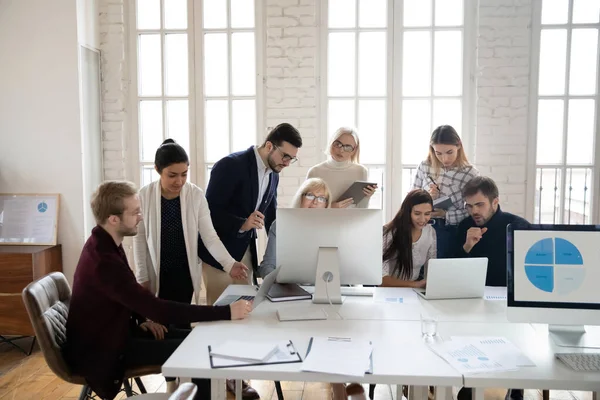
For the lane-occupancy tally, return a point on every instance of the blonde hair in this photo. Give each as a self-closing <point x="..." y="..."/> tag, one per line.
<point x="308" y="186"/>
<point x="445" y="134"/>
<point x="109" y="199"/>
<point x="344" y="130"/>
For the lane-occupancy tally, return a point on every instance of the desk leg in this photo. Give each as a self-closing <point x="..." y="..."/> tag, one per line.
<point x="217" y="389"/>
<point x="443" y="393"/>
<point x="238" y="389"/>
<point x="400" y="393"/>
<point x="418" y="392"/>
<point x="595" y="396"/>
<point x="478" y="393"/>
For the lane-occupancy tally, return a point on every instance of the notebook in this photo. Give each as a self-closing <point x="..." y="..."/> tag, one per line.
<point x="442" y="203"/>
<point x="287" y="292"/>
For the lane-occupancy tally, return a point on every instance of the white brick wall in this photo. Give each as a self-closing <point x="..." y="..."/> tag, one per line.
<point x="291" y="88"/>
<point x="503" y="48"/>
<point x="291" y="81"/>
<point x="115" y="87"/>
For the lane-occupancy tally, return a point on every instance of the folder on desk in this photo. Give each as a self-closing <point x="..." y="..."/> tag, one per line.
<point x="369" y="369"/>
<point x="286" y="354"/>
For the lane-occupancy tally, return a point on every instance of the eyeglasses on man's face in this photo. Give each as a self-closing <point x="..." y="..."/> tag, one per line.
<point x="285" y="157"/>
<point x="348" y="148"/>
<point x="311" y="197"/>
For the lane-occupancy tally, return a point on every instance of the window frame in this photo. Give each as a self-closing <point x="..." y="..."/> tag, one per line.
<point x="393" y="168"/>
<point x="563" y="167"/>
<point x="196" y="97"/>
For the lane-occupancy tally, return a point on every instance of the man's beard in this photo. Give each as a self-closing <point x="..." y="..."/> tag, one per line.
<point x="275" y="167"/>
<point x="123" y="231"/>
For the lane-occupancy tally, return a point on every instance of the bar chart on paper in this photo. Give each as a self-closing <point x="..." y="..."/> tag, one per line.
<point x="555" y="265"/>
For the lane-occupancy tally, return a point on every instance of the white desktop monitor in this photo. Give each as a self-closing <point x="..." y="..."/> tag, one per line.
<point x="344" y="242"/>
<point x="553" y="278"/>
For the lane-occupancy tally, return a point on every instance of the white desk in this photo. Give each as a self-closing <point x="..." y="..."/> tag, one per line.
<point x="400" y="356"/>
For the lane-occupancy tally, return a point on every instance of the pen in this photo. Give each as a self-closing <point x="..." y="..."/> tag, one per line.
<point x="339" y="339"/>
<point x="432" y="181"/>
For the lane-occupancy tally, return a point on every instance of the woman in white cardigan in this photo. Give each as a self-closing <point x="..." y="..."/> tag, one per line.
<point x="166" y="246"/>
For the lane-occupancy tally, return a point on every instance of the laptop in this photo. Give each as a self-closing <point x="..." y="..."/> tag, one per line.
<point x="267" y="282"/>
<point x="455" y="278"/>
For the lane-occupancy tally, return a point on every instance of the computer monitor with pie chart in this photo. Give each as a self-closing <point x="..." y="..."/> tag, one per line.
<point x="553" y="276"/>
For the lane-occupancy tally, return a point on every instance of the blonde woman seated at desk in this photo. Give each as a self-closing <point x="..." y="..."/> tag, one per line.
<point x="314" y="193"/>
<point x="409" y="242"/>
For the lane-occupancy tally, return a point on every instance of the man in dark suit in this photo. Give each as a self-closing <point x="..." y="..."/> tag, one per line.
<point x="242" y="196"/>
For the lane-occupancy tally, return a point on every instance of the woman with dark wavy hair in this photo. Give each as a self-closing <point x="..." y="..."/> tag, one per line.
<point x="409" y="241"/>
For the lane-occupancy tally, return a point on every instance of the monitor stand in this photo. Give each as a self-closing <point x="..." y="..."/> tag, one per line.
<point x="573" y="336"/>
<point x="327" y="279"/>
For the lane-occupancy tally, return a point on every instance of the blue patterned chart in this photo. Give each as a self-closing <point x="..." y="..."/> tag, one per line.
<point x="42" y="207"/>
<point x="555" y="265"/>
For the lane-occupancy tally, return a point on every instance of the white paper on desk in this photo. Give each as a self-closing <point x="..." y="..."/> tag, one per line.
<point x="493" y="293"/>
<point x="395" y="296"/>
<point x="341" y="357"/>
<point x="245" y="350"/>
<point x="283" y="354"/>
<point x="468" y="358"/>
<point x="498" y="348"/>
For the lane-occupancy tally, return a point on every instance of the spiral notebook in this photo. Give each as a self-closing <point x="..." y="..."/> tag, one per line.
<point x="285" y="354"/>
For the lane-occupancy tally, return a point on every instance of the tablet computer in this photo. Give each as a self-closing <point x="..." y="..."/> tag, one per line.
<point x="356" y="191"/>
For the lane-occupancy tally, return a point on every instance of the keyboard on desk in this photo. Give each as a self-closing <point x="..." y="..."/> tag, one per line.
<point x="232" y="298"/>
<point x="356" y="291"/>
<point x="581" y="361"/>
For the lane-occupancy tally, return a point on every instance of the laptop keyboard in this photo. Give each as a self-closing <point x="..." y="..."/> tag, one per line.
<point x="232" y="298"/>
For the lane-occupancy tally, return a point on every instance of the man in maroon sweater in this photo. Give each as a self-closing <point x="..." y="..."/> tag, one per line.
<point x="110" y="328"/>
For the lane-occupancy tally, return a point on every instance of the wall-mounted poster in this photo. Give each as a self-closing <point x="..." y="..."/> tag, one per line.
<point x="29" y="219"/>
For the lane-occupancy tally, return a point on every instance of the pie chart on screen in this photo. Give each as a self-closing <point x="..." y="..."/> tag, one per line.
<point x="555" y="265"/>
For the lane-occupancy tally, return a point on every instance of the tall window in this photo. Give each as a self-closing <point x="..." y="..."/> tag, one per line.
<point x="357" y="88"/>
<point x="211" y="111"/>
<point x="432" y="76"/>
<point x="567" y="104"/>
<point x="163" y="96"/>
<point x="230" y="80"/>
<point x="395" y="69"/>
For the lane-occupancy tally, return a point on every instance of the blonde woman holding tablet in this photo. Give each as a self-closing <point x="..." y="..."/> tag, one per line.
<point x="342" y="169"/>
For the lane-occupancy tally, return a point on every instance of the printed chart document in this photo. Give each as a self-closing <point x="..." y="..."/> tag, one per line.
<point x="493" y="293"/>
<point x="498" y="348"/>
<point x="472" y="355"/>
<point x="342" y="356"/>
<point x="395" y="295"/>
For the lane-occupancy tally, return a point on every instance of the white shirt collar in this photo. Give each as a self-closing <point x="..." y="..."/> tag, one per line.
<point x="262" y="168"/>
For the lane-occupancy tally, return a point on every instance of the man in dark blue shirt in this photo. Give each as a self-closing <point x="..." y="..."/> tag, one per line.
<point x="484" y="235"/>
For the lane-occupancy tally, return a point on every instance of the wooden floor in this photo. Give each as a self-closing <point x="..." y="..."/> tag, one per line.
<point x="29" y="378"/>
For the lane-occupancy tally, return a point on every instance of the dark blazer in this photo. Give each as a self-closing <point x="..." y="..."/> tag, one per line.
<point x="232" y="194"/>
<point x="106" y="302"/>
